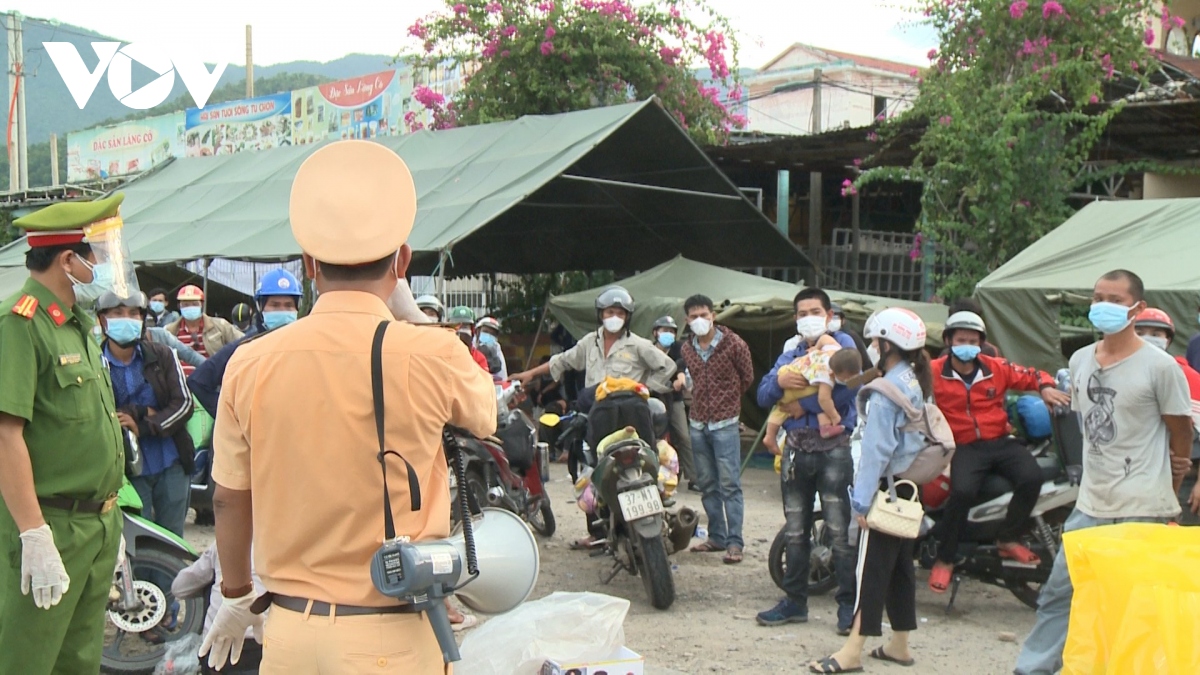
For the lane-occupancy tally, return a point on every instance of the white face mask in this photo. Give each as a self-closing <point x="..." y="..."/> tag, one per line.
<point x="835" y="325"/>
<point x="1160" y="342"/>
<point x="614" y="324"/>
<point x="873" y="354"/>
<point x="700" y="327"/>
<point x="811" y="328"/>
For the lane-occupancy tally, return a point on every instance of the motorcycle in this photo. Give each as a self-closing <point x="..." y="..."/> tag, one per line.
<point x="200" y="426"/>
<point x="1060" y="459"/>
<point x="143" y="616"/>
<point x="636" y="528"/>
<point x="508" y="471"/>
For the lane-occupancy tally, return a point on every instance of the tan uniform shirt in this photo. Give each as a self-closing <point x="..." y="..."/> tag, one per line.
<point x="631" y="356"/>
<point x="295" y="425"/>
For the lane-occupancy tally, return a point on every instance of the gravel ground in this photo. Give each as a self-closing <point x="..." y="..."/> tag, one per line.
<point x="711" y="627"/>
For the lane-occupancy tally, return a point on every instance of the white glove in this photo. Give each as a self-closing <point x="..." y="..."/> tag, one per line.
<point x="228" y="633"/>
<point x="42" y="568"/>
<point x="120" y="556"/>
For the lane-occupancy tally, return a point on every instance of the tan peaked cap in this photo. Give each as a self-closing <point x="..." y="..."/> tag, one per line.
<point x="353" y="202"/>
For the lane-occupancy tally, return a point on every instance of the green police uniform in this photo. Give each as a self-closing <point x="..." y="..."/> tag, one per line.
<point x="55" y="379"/>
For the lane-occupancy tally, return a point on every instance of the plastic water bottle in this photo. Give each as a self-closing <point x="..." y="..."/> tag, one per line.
<point x="702" y="532"/>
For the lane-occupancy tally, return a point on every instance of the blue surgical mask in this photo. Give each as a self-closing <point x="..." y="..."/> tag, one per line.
<point x="965" y="353"/>
<point x="273" y="320"/>
<point x="158" y="306"/>
<point x="191" y="313"/>
<point x="1109" y="317"/>
<point x="101" y="283"/>
<point x="487" y="339"/>
<point x="666" y="339"/>
<point x="123" y="331"/>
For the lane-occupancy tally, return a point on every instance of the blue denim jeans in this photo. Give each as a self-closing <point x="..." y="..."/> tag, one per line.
<point x="718" y="456"/>
<point x="165" y="497"/>
<point x="1042" y="653"/>
<point x="804" y="476"/>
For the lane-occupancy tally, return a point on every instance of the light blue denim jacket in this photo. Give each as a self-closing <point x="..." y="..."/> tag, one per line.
<point x="886" y="450"/>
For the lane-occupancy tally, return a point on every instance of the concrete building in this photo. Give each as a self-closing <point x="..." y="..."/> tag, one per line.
<point x="854" y="90"/>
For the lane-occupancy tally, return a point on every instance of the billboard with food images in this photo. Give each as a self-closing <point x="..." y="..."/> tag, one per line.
<point x="123" y="149"/>
<point x="258" y="123"/>
<point x="358" y="107"/>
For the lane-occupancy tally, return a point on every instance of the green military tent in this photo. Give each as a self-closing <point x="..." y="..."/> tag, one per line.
<point x="1157" y="239"/>
<point x="760" y="310"/>
<point x="621" y="187"/>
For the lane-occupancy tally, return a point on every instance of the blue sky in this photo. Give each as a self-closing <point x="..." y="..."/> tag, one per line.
<point x="214" y="30"/>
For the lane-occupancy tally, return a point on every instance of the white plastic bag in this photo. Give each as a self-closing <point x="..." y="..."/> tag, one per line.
<point x="182" y="657"/>
<point x="562" y="626"/>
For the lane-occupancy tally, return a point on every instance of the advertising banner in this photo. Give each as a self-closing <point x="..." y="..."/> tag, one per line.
<point x="359" y="107"/>
<point x="258" y="123"/>
<point x="123" y="149"/>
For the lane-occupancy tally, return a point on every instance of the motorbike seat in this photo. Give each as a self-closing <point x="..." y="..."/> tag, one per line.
<point x="996" y="485"/>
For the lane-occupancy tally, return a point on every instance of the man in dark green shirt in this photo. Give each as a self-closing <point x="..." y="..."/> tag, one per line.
<point x="61" y="449"/>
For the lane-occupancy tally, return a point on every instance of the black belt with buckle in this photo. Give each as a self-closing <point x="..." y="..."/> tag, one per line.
<point x="79" y="505"/>
<point x="323" y="608"/>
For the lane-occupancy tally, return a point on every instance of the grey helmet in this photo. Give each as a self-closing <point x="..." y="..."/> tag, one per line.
<point x="110" y="300"/>
<point x="836" y="310"/>
<point x="666" y="322"/>
<point x="964" y="320"/>
<point x="658" y="416"/>
<point x="615" y="296"/>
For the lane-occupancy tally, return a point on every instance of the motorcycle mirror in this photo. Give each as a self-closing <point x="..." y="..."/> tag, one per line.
<point x="550" y="419"/>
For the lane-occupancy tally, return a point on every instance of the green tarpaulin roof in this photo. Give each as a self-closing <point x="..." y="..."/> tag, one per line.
<point x="622" y="187"/>
<point x="1157" y="239"/>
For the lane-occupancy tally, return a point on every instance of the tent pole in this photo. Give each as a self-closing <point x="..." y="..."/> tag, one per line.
<point x="855" y="229"/>
<point x="754" y="446"/>
<point x="441" y="280"/>
<point x="537" y="335"/>
<point x="204" y="281"/>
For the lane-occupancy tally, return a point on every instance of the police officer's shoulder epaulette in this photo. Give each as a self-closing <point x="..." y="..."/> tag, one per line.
<point x="26" y="306"/>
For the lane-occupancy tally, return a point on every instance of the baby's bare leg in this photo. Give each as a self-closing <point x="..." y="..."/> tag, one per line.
<point x="828" y="409"/>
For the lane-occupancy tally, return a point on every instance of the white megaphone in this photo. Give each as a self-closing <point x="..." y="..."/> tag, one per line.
<point x="422" y="573"/>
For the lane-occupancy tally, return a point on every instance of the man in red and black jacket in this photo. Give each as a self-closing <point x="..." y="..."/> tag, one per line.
<point x="970" y="388"/>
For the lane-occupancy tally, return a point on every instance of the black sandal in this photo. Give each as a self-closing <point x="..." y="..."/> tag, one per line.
<point x="881" y="655"/>
<point x="830" y="665"/>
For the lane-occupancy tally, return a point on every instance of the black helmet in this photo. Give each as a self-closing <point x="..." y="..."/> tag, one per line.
<point x="658" y="415"/>
<point x="242" y="313"/>
<point x="836" y="310"/>
<point x="666" y="322"/>
<point x="110" y="300"/>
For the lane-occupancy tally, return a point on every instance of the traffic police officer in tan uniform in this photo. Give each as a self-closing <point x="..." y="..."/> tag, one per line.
<point x="61" y="451"/>
<point x="296" y="444"/>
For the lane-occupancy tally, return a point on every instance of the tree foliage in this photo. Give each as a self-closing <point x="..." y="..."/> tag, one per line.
<point x="524" y="298"/>
<point x="565" y="55"/>
<point x="1011" y="108"/>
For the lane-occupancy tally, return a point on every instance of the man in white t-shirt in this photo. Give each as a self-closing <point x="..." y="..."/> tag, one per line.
<point x="1137" y="434"/>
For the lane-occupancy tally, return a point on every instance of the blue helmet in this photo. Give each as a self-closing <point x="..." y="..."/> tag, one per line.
<point x="278" y="282"/>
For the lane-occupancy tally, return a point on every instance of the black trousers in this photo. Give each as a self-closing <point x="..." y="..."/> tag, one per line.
<point x="886" y="579"/>
<point x="247" y="665"/>
<point x="972" y="463"/>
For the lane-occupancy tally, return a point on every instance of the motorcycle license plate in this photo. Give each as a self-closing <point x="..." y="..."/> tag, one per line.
<point x="640" y="503"/>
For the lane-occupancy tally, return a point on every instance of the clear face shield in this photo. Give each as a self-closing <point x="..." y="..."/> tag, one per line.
<point x="113" y="269"/>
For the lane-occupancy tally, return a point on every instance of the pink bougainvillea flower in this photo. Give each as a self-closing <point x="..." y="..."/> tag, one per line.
<point x="1017" y="9"/>
<point x="428" y="97"/>
<point x="505" y="53"/>
<point x="547" y="48"/>
<point x="460" y="8"/>
<point x="872" y="137"/>
<point x="1094" y="99"/>
<point x="550" y="32"/>
<point x="1133" y="65"/>
<point x="546" y="7"/>
<point x="913" y="73"/>
<point x="857" y="162"/>
<point x="508" y="31"/>
<point x="1051" y="9"/>
<point x="932" y="54"/>
<point x="418" y="30"/>
<point x="1178" y="21"/>
<point x="1149" y="38"/>
<point x="493" y="8"/>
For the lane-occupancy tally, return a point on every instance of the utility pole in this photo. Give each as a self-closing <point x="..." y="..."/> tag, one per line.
<point x="18" y="159"/>
<point x="814" y="182"/>
<point x="249" y="64"/>
<point x="22" y="134"/>
<point x="53" y="160"/>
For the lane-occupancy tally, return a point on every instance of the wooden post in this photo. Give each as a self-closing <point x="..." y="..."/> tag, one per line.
<point x="54" y="160"/>
<point x="249" y="64"/>
<point x="814" y="183"/>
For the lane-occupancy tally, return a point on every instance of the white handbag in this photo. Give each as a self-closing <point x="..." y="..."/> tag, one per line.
<point x="898" y="517"/>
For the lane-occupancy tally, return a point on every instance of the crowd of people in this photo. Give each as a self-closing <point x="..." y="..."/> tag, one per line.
<point x="72" y="405"/>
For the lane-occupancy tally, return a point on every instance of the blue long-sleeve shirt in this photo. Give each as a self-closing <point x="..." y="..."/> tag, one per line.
<point x="130" y="388"/>
<point x="886" y="450"/>
<point x="205" y="381"/>
<point x="769" y="391"/>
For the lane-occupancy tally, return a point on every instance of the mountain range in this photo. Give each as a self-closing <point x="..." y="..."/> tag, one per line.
<point x="50" y="108"/>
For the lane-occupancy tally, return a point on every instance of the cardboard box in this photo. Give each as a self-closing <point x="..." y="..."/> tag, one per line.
<point x="624" y="662"/>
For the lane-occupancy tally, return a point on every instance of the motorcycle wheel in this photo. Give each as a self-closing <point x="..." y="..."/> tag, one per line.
<point x="542" y="519"/>
<point x="821" y="578"/>
<point x="656" y="571"/>
<point x="131" y="653"/>
<point x="477" y="489"/>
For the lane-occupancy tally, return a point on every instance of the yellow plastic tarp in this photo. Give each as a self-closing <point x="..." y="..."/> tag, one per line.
<point x="1136" y="609"/>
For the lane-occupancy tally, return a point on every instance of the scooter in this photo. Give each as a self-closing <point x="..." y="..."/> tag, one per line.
<point x="979" y="559"/>
<point x="143" y="616"/>
<point x="200" y="426"/>
<point x="509" y="470"/>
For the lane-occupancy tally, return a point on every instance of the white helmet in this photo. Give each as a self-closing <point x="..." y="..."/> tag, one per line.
<point x="431" y="302"/>
<point x="966" y="321"/>
<point x="488" y="322"/>
<point x="898" y="326"/>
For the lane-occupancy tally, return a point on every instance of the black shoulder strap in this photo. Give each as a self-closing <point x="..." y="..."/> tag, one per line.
<point x="414" y="486"/>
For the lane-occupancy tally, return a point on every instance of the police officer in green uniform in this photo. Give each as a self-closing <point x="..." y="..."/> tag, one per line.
<point x="61" y="450"/>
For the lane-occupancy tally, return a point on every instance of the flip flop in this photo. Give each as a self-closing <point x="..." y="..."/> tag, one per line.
<point x="733" y="556"/>
<point x="939" y="578"/>
<point x="830" y="665"/>
<point x="706" y="546"/>
<point x="1019" y="553"/>
<point x="881" y="655"/>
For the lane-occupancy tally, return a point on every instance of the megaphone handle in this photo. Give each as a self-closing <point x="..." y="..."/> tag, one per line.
<point x="439" y="619"/>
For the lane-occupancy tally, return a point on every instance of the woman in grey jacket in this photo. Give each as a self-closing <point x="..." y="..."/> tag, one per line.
<point x="885" y="563"/>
